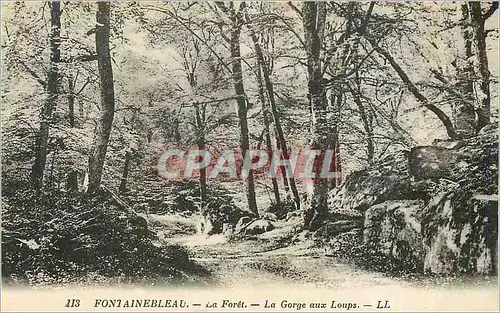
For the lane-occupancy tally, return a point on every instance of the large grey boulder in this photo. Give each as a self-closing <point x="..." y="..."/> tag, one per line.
<point x="460" y="231"/>
<point x="460" y="222"/>
<point x="270" y="217"/>
<point x="392" y="228"/>
<point x="388" y="180"/>
<point x="213" y="219"/>
<point x="332" y="229"/>
<point x="258" y="227"/>
<point x="245" y="220"/>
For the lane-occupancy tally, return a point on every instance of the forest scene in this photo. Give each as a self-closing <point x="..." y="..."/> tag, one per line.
<point x="401" y="99"/>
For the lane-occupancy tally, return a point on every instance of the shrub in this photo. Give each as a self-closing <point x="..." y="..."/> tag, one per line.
<point x="175" y="197"/>
<point x="60" y="235"/>
<point x="287" y="205"/>
<point x="220" y="211"/>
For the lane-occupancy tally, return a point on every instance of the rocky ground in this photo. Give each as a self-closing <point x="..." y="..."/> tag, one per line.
<point x="279" y="257"/>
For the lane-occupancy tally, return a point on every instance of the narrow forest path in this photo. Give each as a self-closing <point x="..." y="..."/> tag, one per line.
<point x="270" y="260"/>
<point x="262" y="261"/>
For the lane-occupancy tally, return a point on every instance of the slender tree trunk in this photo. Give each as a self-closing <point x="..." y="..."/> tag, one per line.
<point x="237" y="75"/>
<point x="277" y="124"/>
<point x="367" y="125"/>
<point x="71" y="101"/>
<point x="103" y="130"/>
<point x="265" y="116"/>
<point x="200" y="123"/>
<point x="282" y="169"/>
<point x="338" y="162"/>
<point x="177" y="133"/>
<point x="366" y="117"/>
<point x="126" y="171"/>
<point x="279" y="130"/>
<point x="72" y="179"/>
<point x="314" y="15"/>
<point x="38" y="168"/>
<point x="333" y="138"/>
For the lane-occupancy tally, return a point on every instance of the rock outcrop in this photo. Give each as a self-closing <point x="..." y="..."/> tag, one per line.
<point x="433" y="208"/>
<point x="362" y="189"/>
<point x="391" y="228"/>
<point x="258" y="227"/>
<point x="270" y="217"/>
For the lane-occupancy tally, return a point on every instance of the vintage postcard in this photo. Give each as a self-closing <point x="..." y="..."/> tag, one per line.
<point x="206" y="156"/>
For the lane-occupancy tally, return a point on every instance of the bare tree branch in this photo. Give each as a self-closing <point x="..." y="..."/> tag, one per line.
<point x="80" y="58"/>
<point x="450" y="130"/>
<point x="491" y="10"/>
<point x="193" y="33"/>
<point x="299" y="13"/>
<point x="83" y="86"/>
<point x="34" y="74"/>
<point x="290" y="28"/>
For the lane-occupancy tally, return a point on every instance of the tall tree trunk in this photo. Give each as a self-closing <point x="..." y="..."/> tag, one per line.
<point x="237" y="75"/>
<point x="366" y="116"/>
<point x="38" y="168"/>
<point x="71" y="101"/>
<point x="464" y="113"/>
<point x="314" y="15"/>
<point x="367" y="125"/>
<point x="265" y="116"/>
<point x="200" y="124"/>
<point x="72" y="179"/>
<point x="282" y="169"/>
<point x="277" y="124"/>
<point x="475" y="81"/>
<point x="126" y="171"/>
<point x="103" y="129"/>
<point x="479" y="35"/>
<point x="270" y="92"/>
<point x="333" y="139"/>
